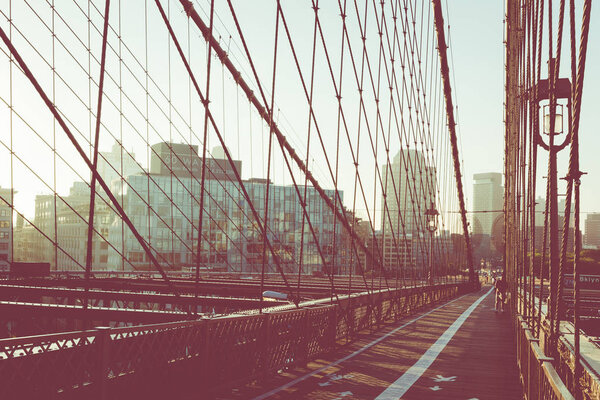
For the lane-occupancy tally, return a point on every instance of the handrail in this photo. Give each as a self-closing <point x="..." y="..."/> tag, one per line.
<point x="558" y="375"/>
<point x="158" y="360"/>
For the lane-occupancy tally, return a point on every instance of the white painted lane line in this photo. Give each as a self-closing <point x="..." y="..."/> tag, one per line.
<point x="349" y="356"/>
<point x="397" y="389"/>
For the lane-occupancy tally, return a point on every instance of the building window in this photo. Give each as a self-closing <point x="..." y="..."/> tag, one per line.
<point x="4" y="224"/>
<point x="135" y="256"/>
<point x="4" y="235"/>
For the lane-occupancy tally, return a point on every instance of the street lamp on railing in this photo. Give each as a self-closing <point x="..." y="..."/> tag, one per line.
<point x="431" y="214"/>
<point x="553" y="125"/>
<point x="558" y="119"/>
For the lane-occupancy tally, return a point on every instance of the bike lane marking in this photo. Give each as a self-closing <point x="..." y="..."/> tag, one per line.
<point x="397" y="389"/>
<point x="352" y="355"/>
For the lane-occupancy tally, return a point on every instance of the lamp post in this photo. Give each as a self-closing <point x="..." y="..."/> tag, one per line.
<point x="431" y="215"/>
<point x="558" y="119"/>
<point x="552" y="128"/>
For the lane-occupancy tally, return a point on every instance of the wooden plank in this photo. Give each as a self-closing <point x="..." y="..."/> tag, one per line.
<point x="478" y="362"/>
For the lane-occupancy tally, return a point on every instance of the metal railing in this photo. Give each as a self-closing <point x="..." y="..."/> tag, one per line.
<point x="538" y="376"/>
<point x="545" y="377"/>
<point x="155" y="361"/>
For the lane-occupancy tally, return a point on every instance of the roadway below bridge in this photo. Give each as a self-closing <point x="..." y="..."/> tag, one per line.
<point x="238" y="287"/>
<point x="461" y="349"/>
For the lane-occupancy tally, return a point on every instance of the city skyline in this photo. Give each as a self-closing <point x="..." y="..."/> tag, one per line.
<point x="248" y="136"/>
<point x="488" y="197"/>
<point x="172" y="185"/>
<point x="299" y="199"/>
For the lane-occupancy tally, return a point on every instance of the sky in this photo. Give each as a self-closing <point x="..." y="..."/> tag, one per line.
<point x="164" y="106"/>
<point x="477" y="45"/>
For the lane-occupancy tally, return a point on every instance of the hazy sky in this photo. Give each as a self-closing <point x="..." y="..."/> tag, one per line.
<point x="477" y="55"/>
<point x="171" y="110"/>
<point x="477" y="35"/>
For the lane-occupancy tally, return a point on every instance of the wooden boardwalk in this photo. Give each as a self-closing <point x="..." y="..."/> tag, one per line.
<point x="458" y="350"/>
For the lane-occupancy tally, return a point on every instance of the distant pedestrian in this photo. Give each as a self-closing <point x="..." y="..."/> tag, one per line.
<point x="500" y="286"/>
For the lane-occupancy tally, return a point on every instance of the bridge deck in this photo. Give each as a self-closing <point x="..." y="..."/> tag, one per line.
<point x="459" y="350"/>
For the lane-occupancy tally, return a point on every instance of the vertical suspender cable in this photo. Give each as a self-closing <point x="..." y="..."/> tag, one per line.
<point x="79" y="149"/>
<point x="204" y="144"/>
<point x="574" y="173"/>
<point x="265" y="115"/>
<point x="312" y="77"/>
<point x="194" y="15"/>
<point x="90" y="232"/>
<point x="268" y="183"/>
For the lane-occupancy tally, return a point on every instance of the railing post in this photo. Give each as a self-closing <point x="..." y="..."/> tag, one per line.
<point x="397" y="301"/>
<point x="349" y="319"/>
<point x="265" y="350"/>
<point x="531" y="370"/>
<point x="530" y="358"/>
<point x="333" y="322"/>
<point x="418" y="295"/>
<point x="207" y="362"/>
<point x="306" y="336"/>
<point x="378" y="312"/>
<point x="102" y="341"/>
<point x="416" y="298"/>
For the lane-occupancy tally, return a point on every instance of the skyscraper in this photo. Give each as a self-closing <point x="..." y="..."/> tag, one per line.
<point x="60" y="221"/>
<point x="231" y="237"/>
<point x="540" y="212"/>
<point x="6" y="196"/>
<point x="488" y="195"/>
<point x="114" y="164"/>
<point x="592" y="230"/>
<point x="409" y="190"/>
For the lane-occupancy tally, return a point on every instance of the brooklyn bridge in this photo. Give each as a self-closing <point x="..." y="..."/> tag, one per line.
<point x="221" y="199"/>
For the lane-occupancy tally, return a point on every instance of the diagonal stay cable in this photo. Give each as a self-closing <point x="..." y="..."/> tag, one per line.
<point x="269" y="159"/>
<point x="221" y="140"/>
<point x="77" y="146"/>
<point x="317" y="129"/>
<point x="204" y="143"/>
<point x="439" y="25"/>
<point x="130" y="187"/>
<point x="265" y="115"/>
<point x="89" y="251"/>
<point x="271" y="124"/>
